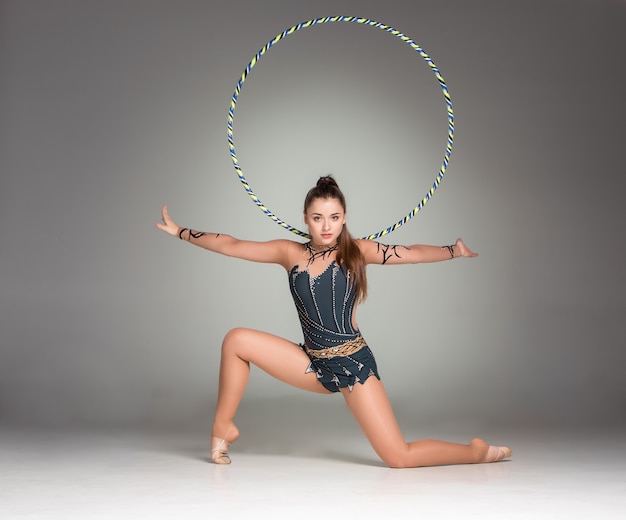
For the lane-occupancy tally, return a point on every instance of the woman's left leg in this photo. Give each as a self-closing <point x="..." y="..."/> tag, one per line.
<point x="370" y="406"/>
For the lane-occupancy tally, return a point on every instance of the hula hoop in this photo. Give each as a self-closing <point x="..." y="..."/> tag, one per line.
<point x="361" y="21"/>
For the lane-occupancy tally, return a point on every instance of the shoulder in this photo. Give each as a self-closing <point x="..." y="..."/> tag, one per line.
<point x="365" y="244"/>
<point x="292" y="252"/>
<point x="292" y="245"/>
<point x="287" y="248"/>
<point x="369" y="249"/>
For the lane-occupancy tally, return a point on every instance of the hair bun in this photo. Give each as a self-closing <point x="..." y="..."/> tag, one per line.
<point x="327" y="181"/>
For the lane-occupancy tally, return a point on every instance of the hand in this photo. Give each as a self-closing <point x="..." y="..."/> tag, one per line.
<point x="169" y="226"/>
<point x="464" y="250"/>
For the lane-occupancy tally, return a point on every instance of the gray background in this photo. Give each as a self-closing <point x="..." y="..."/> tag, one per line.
<point x="108" y="109"/>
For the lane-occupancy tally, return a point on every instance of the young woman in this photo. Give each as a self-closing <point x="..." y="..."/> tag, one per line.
<point x="327" y="280"/>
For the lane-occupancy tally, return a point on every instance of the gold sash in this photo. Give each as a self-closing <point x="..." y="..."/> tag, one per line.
<point x="345" y="349"/>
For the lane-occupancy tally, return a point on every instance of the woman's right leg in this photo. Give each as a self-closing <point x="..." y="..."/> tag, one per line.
<point x="280" y="358"/>
<point x="370" y="406"/>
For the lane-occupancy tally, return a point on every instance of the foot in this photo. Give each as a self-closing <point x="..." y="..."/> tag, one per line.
<point x="490" y="453"/>
<point x="497" y="453"/>
<point x="219" y="451"/>
<point x="221" y="442"/>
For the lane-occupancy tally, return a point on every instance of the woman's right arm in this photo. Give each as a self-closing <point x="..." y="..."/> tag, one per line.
<point x="274" y="251"/>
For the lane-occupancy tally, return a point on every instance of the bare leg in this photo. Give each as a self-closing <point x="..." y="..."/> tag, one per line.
<point x="370" y="406"/>
<point x="278" y="357"/>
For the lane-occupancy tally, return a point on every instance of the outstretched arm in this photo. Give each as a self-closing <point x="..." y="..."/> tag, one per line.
<point x="377" y="253"/>
<point x="274" y="251"/>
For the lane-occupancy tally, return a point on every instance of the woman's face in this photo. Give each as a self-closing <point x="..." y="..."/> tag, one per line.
<point x="325" y="219"/>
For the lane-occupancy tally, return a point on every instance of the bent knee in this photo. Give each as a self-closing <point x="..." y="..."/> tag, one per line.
<point x="396" y="458"/>
<point x="235" y="336"/>
<point x="396" y="463"/>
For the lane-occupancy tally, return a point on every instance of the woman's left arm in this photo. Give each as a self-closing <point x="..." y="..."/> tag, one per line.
<point x="377" y="253"/>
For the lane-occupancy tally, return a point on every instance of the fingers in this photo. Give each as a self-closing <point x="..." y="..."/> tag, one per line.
<point x="168" y="224"/>
<point x="163" y="218"/>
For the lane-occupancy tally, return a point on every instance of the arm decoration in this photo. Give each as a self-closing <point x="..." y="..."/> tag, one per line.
<point x="450" y="250"/>
<point x="388" y="251"/>
<point x="196" y="234"/>
<point x="192" y="234"/>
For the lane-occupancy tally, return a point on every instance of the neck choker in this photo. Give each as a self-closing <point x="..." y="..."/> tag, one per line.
<point x="318" y="253"/>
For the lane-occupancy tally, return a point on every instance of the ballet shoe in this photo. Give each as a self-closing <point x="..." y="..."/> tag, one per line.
<point x="497" y="453"/>
<point x="219" y="451"/>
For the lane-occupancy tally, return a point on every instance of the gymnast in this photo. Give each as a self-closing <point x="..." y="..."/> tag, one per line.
<point x="327" y="279"/>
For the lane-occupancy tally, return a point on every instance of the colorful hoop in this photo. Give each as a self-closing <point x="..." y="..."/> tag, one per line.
<point x="362" y="21"/>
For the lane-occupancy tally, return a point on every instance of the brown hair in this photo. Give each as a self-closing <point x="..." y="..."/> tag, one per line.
<point x="348" y="251"/>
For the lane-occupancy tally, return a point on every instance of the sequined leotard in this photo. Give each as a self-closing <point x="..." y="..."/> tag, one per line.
<point x="325" y="305"/>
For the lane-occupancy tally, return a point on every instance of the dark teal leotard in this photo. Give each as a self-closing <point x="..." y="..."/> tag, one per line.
<point x="325" y="305"/>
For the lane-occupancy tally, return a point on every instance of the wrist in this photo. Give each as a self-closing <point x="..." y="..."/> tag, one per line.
<point x="453" y="251"/>
<point x="181" y="230"/>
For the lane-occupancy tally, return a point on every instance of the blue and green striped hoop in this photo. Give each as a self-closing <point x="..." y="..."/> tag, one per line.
<point x="361" y="21"/>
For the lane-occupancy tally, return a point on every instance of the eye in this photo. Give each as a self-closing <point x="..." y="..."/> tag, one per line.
<point x="316" y="219"/>
<point x="335" y="217"/>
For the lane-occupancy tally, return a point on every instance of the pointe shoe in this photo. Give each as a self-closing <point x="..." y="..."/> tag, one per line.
<point x="219" y="451"/>
<point x="497" y="453"/>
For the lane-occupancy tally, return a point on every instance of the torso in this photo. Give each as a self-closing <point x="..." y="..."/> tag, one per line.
<point x="326" y="304"/>
<point x="324" y="299"/>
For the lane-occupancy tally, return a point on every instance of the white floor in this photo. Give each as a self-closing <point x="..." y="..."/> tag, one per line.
<point x="116" y="475"/>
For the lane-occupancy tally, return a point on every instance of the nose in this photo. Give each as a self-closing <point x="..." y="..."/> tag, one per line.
<point x="326" y="225"/>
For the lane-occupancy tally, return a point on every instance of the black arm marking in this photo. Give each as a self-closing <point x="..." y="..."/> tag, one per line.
<point x="388" y="251"/>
